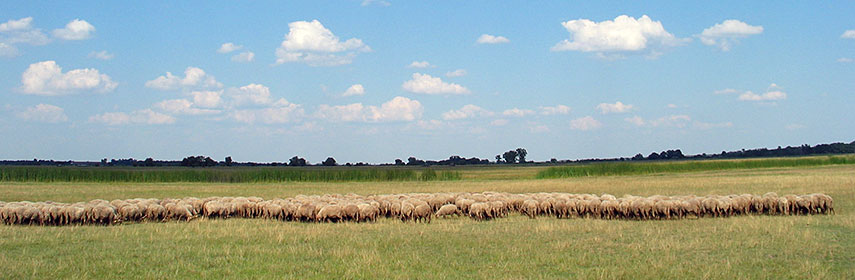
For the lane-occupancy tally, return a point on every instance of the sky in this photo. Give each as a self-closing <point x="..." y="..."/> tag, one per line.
<point x="372" y="81"/>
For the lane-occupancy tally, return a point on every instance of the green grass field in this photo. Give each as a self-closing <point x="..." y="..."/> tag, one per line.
<point x="768" y="247"/>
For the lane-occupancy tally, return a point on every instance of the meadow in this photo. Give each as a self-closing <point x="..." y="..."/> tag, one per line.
<point x="778" y="247"/>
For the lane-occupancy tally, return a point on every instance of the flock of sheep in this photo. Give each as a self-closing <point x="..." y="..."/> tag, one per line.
<point x="417" y="207"/>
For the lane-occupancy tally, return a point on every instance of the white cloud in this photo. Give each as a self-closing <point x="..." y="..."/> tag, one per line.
<point x="424" y="83"/>
<point x="671" y="106"/>
<point x="517" y="112"/>
<point x="46" y="78"/>
<point x="624" y="33"/>
<point x="102" y="55"/>
<point x="8" y="50"/>
<point x="841" y="60"/>
<point x="284" y="113"/>
<point x="585" y="123"/>
<point x="617" y="107"/>
<point x="726" y="91"/>
<point x="375" y="2"/>
<point x="703" y="125"/>
<point x="77" y="29"/>
<point x="768" y="96"/>
<point x="431" y="124"/>
<point x="725" y="34"/>
<point x="499" y="122"/>
<point x="465" y="112"/>
<point x="848" y="34"/>
<point x="397" y="109"/>
<point x="146" y="116"/>
<point x="228" y="47"/>
<point x="636" y="120"/>
<point x="356" y="89"/>
<point x="420" y="64"/>
<point x="315" y="45"/>
<point x="254" y="94"/>
<point x="537" y="128"/>
<point x="182" y="106"/>
<point x="490" y="39"/>
<point x="207" y="99"/>
<point x="244" y="57"/>
<point x="45" y="113"/>
<point x="555" y="110"/>
<point x="16" y="25"/>
<point x="193" y="77"/>
<point x="456" y="73"/>
<point x="21" y="31"/>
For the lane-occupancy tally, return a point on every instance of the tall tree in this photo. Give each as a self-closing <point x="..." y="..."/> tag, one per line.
<point x="521" y="153"/>
<point x="329" y="162"/>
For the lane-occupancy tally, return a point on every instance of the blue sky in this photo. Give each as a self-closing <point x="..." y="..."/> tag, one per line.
<point x="379" y="80"/>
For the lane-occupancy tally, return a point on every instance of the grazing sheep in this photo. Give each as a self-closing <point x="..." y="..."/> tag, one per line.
<point x="530" y="208"/>
<point x="329" y="213"/>
<point x="447" y="210"/>
<point x="407" y="210"/>
<point x="422" y="213"/>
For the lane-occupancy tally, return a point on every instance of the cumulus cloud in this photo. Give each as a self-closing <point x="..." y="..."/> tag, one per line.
<point x="768" y="96"/>
<point x="102" y="55"/>
<point x="21" y="31"/>
<point x="207" y="99"/>
<point x="146" y="116"/>
<point x="254" y="94"/>
<point x="46" y="78"/>
<point x="397" y="109"/>
<point x="244" y="57"/>
<point x="424" y="83"/>
<point x="724" y="35"/>
<point x="848" y="34"/>
<point x="456" y="73"/>
<point x="636" y="120"/>
<point x="617" y="107"/>
<point x="77" y="29"/>
<point x="420" y="64"/>
<point x="585" y="123"/>
<point x="517" y="112"/>
<point x="555" y="110"/>
<point x="356" y="89"/>
<point x="623" y="34"/>
<point x="193" y="77"/>
<point x="465" y="112"/>
<point x="315" y="45"/>
<point x="182" y="107"/>
<point x="841" y="60"/>
<point x="490" y="39"/>
<point x="773" y="93"/>
<point x="45" y="113"/>
<point x="228" y="47"/>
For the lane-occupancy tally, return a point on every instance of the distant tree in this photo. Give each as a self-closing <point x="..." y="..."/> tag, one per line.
<point x="510" y="156"/>
<point x="399" y="161"/>
<point x="553" y="160"/>
<point x="297" y="161"/>
<point x="415" y="161"/>
<point x="638" y="156"/>
<point x="228" y="161"/>
<point x="498" y="158"/>
<point x="149" y="162"/>
<point x="653" y="156"/>
<point x="521" y="153"/>
<point x="329" y="162"/>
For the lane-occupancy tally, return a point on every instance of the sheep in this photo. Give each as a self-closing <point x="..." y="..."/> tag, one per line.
<point x="368" y="212"/>
<point x="479" y="211"/>
<point x="447" y="210"/>
<point x="407" y="211"/>
<point x="530" y="208"/>
<point x="422" y="213"/>
<point x="329" y="213"/>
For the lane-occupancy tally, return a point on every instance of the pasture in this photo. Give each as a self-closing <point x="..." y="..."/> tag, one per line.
<point x="812" y="247"/>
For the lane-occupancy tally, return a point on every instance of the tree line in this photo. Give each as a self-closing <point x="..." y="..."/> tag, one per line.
<point x="515" y="156"/>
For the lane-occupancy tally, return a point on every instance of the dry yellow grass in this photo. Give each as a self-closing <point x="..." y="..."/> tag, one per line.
<point x="779" y="247"/>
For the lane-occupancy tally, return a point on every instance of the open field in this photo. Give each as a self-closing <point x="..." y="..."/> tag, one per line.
<point x="813" y="247"/>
